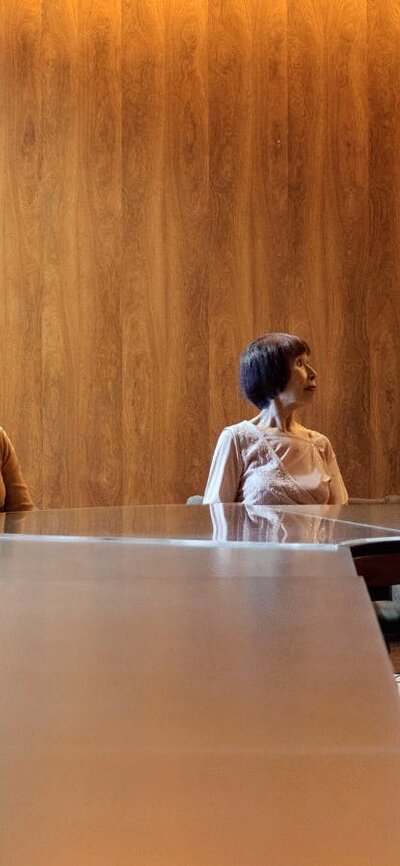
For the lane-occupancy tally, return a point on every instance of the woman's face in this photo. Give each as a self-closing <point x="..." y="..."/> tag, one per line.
<point x="301" y="385"/>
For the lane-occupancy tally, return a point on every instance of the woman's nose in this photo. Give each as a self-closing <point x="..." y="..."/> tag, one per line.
<point x="311" y="373"/>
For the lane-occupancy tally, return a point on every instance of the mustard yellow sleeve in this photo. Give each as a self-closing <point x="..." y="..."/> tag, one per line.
<point x="17" y="496"/>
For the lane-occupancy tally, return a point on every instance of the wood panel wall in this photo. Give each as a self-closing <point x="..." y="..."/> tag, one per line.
<point x="176" y="178"/>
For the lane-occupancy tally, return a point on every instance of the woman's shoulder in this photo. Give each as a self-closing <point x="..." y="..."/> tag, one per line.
<point x="5" y="446"/>
<point x="241" y="430"/>
<point x="4" y="439"/>
<point x="240" y="436"/>
<point x="313" y="436"/>
<point x="322" y="443"/>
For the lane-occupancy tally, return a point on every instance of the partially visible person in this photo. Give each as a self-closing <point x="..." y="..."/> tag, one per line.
<point x="273" y="459"/>
<point x="14" y="494"/>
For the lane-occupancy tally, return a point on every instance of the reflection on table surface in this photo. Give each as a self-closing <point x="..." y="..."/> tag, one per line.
<point x="215" y="523"/>
<point x="170" y="705"/>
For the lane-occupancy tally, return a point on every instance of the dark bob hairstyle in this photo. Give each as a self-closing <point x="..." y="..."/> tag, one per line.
<point x="265" y="366"/>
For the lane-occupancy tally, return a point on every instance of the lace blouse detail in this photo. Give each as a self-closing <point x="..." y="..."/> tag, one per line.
<point x="264" y="468"/>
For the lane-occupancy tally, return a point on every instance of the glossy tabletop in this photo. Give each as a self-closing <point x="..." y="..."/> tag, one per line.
<point x="183" y="705"/>
<point x="214" y="524"/>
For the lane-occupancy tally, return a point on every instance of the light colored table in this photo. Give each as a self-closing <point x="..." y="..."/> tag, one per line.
<point x="193" y="705"/>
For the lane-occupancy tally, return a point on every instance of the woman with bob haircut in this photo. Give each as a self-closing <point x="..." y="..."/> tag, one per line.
<point x="273" y="459"/>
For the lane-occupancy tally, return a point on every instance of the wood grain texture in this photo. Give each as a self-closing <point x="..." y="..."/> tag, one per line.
<point x="345" y="237"/>
<point x="21" y="301"/>
<point x="186" y="239"/>
<point x="61" y="309"/>
<point x="306" y="300"/>
<point x="269" y="166"/>
<point x="382" y="303"/>
<point x="231" y="314"/>
<point x="144" y="290"/>
<point x="99" y="250"/>
<point x="177" y="178"/>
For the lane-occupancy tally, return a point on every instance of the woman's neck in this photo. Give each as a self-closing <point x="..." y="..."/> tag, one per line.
<point x="280" y="417"/>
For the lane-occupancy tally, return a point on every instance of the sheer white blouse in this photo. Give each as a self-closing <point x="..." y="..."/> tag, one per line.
<point x="269" y="467"/>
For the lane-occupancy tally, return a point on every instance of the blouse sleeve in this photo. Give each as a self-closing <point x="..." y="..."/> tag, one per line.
<point x="225" y="471"/>
<point x="17" y="497"/>
<point x="337" y="492"/>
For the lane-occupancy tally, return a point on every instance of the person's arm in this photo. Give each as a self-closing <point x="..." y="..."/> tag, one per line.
<point x="17" y="494"/>
<point x="225" y="471"/>
<point x="337" y="492"/>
